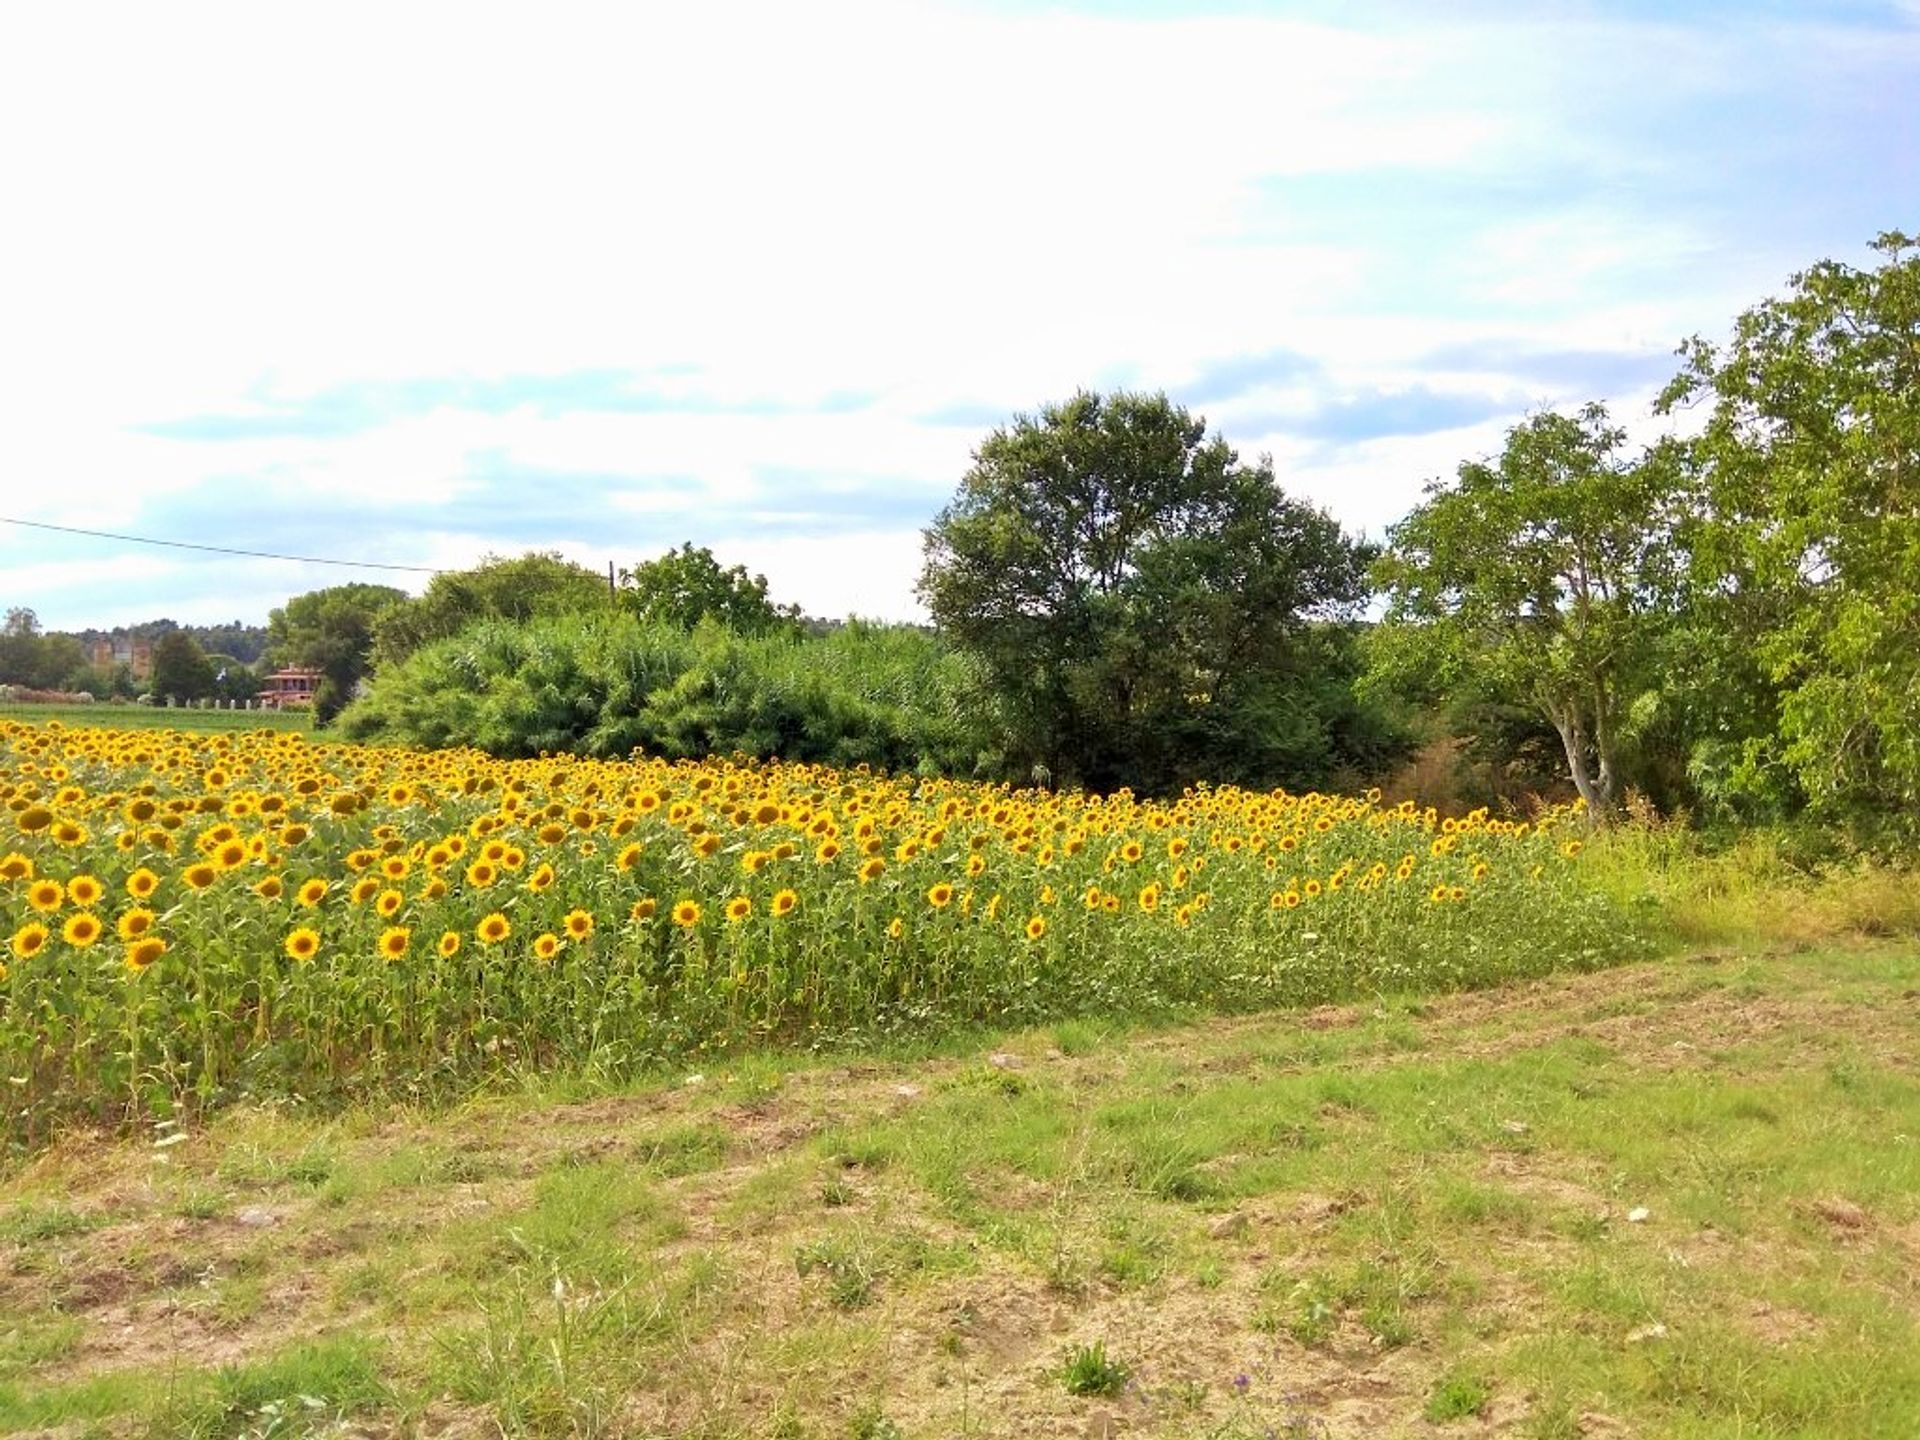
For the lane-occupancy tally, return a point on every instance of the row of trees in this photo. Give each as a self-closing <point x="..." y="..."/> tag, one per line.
<point x="187" y="663"/>
<point x="1729" y="621"/>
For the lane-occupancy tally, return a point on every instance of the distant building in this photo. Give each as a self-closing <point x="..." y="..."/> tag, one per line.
<point x="111" y="650"/>
<point x="291" y="689"/>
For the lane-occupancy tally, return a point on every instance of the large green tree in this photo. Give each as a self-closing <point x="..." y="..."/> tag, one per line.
<point x="21" y="646"/>
<point x="1543" y="577"/>
<point x="520" y="587"/>
<point x="1809" y="552"/>
<point x="181" y="671"/>
<point x="1138" y="597"/>
<point x="333" y="631"/>
<point x="687" y="585"/>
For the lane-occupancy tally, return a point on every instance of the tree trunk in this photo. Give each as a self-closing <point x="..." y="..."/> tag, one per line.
<point x="1606" y="748"/>
<point x="1573" y="740"/>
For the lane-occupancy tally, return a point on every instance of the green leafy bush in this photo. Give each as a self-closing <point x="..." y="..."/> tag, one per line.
<point x="889" y="697"/>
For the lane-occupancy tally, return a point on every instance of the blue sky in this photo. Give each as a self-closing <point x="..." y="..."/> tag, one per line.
<point x="410" y="285"/>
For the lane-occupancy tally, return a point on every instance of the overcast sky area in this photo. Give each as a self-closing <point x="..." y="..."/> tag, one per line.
<point x="411" y="284"/>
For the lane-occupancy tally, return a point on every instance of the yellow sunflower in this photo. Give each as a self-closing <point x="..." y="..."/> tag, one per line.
<point x="81" y="930"/>
<point x="143" y="952"/>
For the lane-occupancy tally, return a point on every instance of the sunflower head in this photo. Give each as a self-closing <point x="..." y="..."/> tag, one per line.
<point x="81" y="930"/>
<point x="143" y="952"/>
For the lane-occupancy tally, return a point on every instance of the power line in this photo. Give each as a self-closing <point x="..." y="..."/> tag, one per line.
<point x="216" y="549"/>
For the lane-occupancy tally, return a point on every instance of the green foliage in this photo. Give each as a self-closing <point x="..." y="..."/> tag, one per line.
<point x="1458" y="1395"/>
<point x="232" y="680"/>
<point x="1089" y="1370"/>
<point x="890" y="697"/>
<point x="36" y="660"/>
<point x="331" y="630"/>
<point x="687" y="585"/>
<point x="1808" y="558"/>
<point x="20" y="642"/>
<point x="181" y="670"/>
<point x="1139" y="599"/>
<point x="538" y="583"/>
<point x="1539" y="578"/>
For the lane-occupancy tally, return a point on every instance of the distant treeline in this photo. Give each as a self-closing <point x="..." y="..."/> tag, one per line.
<point x="58" y="660"/>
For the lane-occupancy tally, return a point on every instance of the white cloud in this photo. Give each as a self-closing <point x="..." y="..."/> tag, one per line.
<point x="926" y="202"/>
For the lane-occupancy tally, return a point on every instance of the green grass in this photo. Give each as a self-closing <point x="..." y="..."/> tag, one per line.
<point x="1090" y="1370"/>
<point x="157" y="717"/>
<point x="1425" y="1202"/>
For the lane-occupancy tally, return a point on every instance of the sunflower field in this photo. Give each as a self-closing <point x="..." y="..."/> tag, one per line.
<point x="188" y="919"/>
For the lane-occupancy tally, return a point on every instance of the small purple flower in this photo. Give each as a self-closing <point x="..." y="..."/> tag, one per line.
<point x="1241" y="1382"/>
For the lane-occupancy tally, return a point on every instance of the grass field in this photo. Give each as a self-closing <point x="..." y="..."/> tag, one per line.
<point x="147" y="717"/>
<point x="1678" y="1198"/>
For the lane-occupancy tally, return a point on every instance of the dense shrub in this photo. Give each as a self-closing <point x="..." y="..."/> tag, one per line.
<point x="891" y="697"/>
